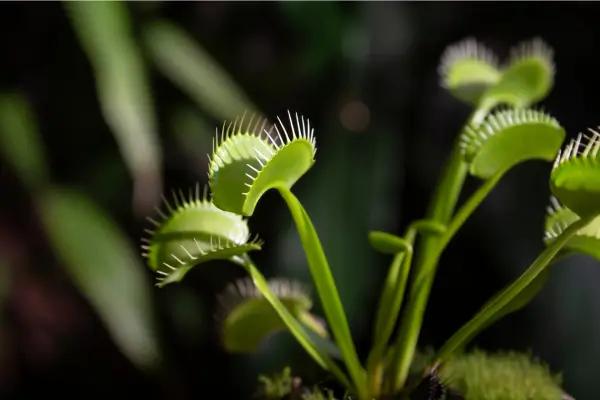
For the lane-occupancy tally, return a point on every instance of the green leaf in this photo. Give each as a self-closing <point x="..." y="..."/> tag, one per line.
<point x="468" y="69"/>
<point x="326" y="288"/>
<point x="194" y="231"/>
<point x="105" y="33"/>
<point x="387" y="243"/>
<point x="20" y="142"/>
<point x="575" y="177"/>
<point x="246" y="318"/>
<point x="507" y="138"/>
<point x="193" y="70"/>
<point x="103" y="265"/>
<point x="244" y="166"/>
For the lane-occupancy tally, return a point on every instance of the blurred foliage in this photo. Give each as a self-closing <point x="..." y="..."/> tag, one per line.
<point x="95" y="252"/>
<point x="106" y="269"/>
<point x="19" y="143"/>
<point x="104" y="29"/>
<point x="193" y="70"/>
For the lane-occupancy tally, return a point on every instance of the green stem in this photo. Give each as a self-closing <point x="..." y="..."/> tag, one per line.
<point x="326" y="288"/>
<point x="404" y="350"/>
<point x="440" y="210"/>
<point x="294" y="326"/>
<point x="386" y="315"/>
<point x="393" y="282"/>
<point x="390" y="304"/>
<point x="512" y="291"/>
<point x="391" y="301"/>
<point x="454" y="175"/>
<point x="467" y="209"/>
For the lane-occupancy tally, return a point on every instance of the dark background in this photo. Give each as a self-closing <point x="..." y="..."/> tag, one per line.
<point x="365" y="73"/>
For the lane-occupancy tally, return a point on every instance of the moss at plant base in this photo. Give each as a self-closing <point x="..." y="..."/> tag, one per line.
<point x="501" y="376"/>
<point x="285" y="386"/>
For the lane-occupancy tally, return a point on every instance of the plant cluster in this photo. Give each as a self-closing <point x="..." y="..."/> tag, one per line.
<point x="251" y="156"/>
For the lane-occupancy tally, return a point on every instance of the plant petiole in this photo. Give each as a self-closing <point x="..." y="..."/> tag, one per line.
<point x="327" y="290"/>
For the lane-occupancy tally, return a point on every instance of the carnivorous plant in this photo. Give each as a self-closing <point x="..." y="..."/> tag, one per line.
<point x="252" y="155"/>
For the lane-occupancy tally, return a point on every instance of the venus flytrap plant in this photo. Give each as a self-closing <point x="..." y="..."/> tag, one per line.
<point x="194" y="231"/>
<point x="244" y="165"/>
<point x="577" y="161"/>
<point x="251" y="156"/>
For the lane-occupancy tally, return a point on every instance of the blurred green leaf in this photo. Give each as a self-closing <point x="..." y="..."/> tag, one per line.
<point x="104" y="30"/>
<point x="194" y="71"/>
<point x="106" y="269"/>
<point x="19" y="140"/>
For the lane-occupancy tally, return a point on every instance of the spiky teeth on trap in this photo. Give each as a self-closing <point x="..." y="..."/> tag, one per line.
<point x="249" y="159"/>
<point x="467" y="69"/>
<point x="508" y="137"/>
<point x="528" y="76"/>
<point x="192" y="231"/>
<point x="559" y="218"/>
<point x="471" y="73"/>
<point x="575" y="176"/>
